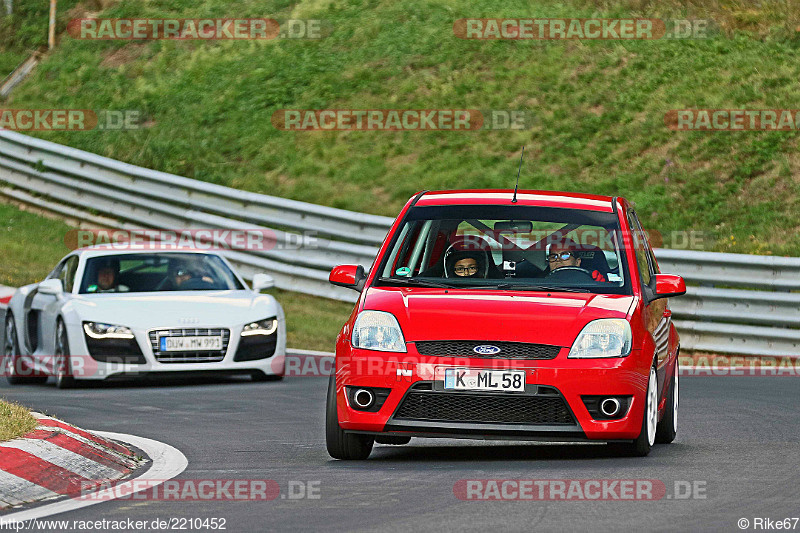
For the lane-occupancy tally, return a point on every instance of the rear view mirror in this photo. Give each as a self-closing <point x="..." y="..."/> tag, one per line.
<point x="514" y="226"/>
<point x="669" y="285"/>
<point x="350" y="276"/>
<point x="51" y="286"/>
<point x="262" y="281"/>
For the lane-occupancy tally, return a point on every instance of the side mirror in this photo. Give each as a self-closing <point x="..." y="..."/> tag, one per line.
<point x="669" y="285"/>
<point x="262" y="281"/>
<point x="350" y="276"/>
<point x="51" y="286"/>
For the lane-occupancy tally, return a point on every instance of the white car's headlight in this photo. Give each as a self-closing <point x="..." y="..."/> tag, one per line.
<point x="97" y="330"/>
<point x="262" y="327"/>
<point x="606" y="337"/>
<point x="378" y="330"/>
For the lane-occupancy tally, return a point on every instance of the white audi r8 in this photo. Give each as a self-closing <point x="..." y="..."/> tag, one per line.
<point x="104" y="312"/>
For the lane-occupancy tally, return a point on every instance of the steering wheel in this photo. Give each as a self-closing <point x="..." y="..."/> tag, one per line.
<point x="570" y="273"/>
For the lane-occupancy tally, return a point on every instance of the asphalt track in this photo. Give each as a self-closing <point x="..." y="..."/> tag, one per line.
<point x="737" y="442"/>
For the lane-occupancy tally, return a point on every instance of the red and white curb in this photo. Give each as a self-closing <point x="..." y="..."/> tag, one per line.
<point x="57" y="459"/>
<point x="168" y="463"/>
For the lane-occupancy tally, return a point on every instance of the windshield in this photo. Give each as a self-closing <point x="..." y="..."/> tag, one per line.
<point x="507" y="247"/>
<point x="154" y="272"/>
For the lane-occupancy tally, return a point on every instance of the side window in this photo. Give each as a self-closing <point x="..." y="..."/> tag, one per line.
<point x="67" y="274"/>
<point x="65" y="271"/>
<point x="654" y="269"/>
<point x="640" y="248"/>
<point x="57" y="271"/>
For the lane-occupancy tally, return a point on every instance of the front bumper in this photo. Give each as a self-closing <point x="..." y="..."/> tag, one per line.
<point x="234" y="360"/>
<point x="546" y="380"/>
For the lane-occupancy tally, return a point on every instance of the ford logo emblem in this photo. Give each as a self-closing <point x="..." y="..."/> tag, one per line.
<point x="486" y="349"/>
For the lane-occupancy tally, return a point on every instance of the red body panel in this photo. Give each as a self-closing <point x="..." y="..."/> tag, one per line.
<point x="552" y="318"/>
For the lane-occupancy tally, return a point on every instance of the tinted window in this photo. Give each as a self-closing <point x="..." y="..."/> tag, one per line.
<point x="485" y="246"/>
<point x="157" y="272"/>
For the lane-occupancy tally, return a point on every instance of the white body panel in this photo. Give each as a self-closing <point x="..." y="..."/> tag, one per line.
<point x="142" y="312"/>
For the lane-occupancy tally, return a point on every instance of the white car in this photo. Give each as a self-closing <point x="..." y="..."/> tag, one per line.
<point x="104" y="312"/>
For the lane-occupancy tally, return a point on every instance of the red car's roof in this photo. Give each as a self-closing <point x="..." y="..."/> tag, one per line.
<point x="571" y="200"/>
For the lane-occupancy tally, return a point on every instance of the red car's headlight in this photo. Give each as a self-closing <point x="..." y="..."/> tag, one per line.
<point x="378" y="330"/>
<point x="605" y="337"/>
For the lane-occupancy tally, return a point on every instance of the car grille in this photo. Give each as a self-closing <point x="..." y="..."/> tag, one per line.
<point x="189" y="357"/>
<point x="508" y="350"/>
<point x="484" y="408"/>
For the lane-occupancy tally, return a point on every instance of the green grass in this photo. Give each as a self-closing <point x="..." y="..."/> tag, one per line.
<point x="599" y="108"/>
<point x="26" y="29"/>
<point x="31" y="245"/>
<point x="15" y="421"/>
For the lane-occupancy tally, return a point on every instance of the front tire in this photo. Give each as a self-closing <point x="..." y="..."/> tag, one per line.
<point x="342" y="445"/>
<point x="641" y="446"/>
<point x="12" y="362"/>
<point x="668" y="427"/>
<point x="63" y="364"/>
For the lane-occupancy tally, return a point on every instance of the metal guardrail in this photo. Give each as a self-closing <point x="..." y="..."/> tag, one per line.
<point x="735" y="303"/>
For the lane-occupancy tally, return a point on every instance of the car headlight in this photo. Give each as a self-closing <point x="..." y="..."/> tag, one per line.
<point x="97" y="330"/>
<point x="606" y="337"/>
<point x="378" y="330"/>
<point x="262" y="327"/>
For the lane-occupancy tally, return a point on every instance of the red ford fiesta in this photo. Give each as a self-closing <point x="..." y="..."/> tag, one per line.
<point x="493" y="314"/>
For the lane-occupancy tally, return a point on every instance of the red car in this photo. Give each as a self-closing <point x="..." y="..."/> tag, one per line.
<point x="491" y="314"/>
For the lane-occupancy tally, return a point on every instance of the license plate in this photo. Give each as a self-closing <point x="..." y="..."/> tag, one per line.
<point x="474" y="379"/>
<point x="191" y="344"/>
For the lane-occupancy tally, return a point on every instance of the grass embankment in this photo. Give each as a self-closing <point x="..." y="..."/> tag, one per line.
<point x="25" y="30"/>
<point x="31" y="245"/>
<point x="599" y="107"/>
<point x="15" y="421"/>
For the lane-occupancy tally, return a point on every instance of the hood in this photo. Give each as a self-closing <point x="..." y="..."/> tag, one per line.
<point x="487" y="315"/>
<point x="175" y="309"/>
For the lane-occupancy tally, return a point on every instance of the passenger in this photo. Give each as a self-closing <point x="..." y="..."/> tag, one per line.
<point x="182" y="275"/>
<point x="565" y="254"/>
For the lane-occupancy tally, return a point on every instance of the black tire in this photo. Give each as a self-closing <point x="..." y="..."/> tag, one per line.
<point x="342" y="445"/>
<point x="13" y="366"/>
<point x="641" y="446"/>
<point x="668" y="427"/>
<point x="63" y="365"/>
<point x="392" y="439"/>
<point x="259" y="377"/>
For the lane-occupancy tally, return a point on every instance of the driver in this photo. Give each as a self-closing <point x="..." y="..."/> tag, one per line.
<point x="466" y="264"/>
<point x="107" y="274"/>
<point x="565" y="254"/>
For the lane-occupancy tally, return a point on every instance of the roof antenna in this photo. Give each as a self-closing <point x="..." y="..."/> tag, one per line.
<point x="516" y="185"/>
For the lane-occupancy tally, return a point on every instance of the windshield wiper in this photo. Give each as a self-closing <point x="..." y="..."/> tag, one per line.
<point x="526" y="287"/>
<point x="416" y="282"/>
